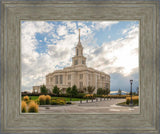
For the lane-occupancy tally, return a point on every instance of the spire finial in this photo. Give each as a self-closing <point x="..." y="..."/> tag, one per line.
<point x="79" y="35"/>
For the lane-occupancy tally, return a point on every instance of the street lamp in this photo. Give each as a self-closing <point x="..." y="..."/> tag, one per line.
<point x="131" y="103"/>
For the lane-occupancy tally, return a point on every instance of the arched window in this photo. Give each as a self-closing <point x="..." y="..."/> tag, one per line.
<point x="76" y="62"/>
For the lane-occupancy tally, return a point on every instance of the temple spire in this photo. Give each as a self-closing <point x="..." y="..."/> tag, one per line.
<point x="79" y="35"/>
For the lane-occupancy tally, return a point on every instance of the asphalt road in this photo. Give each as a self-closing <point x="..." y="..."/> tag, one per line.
<point x="104" y="106"/>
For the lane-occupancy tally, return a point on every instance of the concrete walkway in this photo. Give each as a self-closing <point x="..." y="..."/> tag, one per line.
<point x="104" y="106"/>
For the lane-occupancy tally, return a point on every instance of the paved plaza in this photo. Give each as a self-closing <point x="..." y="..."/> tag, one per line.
<point x="104" y="106"/>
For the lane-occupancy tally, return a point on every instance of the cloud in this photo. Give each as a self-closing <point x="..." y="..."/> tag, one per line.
<point x="32" y="62"/>
<point x="62" y="30"/>
<point x="104" y="24"/>
<point x="118" y="81"/>
<point x="109" y="36"/>
<point x="119" y="55"/>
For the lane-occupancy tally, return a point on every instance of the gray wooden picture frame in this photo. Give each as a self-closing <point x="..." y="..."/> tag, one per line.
<point x="146" y="12"/>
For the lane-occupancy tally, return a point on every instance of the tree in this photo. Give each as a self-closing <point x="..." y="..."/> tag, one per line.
<point x="90" y="89"/>
<point x="74" y="90"/>
<point x="56" y="90"/>
<point x="84" y="89"/>
<point x="43" y="89"/>
<point x="137" y="90"/>
<point x="107" y="91"/>
<point x="119" y="92"/>
<point x="68" y="90"/>
<point x="134" y="93"/>
<point x="99" y="91"/>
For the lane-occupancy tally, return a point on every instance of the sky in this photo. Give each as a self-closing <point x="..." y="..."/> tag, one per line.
<point x="109" y="46"/>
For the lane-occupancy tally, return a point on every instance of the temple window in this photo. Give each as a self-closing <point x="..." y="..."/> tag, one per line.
<point x="69" y="77"/>
<point x="69" y="84"/>
<point x="76" y="62"/>
<point x="77" y="52"/>
<point x="89" y="76"/>
<point x="56" y="79"/>
<point x="81" y="85"/>
<point x="81" y="76"/>
<point x="61" y="79"/>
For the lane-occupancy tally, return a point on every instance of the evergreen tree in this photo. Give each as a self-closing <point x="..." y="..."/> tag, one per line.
<point x="90" y="89"/>
<point x="56" y="90"/>
<point x="119" y="92"/>
<point x="43" y="89"/>
<point x="137" y="90"/>
<point x="107" y="91"/>
<point x="74" y="90"/>
<point x="68" y="90"/>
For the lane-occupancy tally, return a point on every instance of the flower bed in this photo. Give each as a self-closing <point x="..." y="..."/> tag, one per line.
<point x="58" y="102"/>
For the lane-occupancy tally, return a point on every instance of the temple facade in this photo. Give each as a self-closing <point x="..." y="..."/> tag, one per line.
<point x="77" y="74"/>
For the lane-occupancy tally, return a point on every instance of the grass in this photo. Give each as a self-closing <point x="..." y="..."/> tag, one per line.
<point x="66" y="98"/>
<point x="122" y="104"/>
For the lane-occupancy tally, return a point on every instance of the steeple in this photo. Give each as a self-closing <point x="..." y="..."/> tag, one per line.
<point x="79" y="41"/>
<point x="79" y="59"/>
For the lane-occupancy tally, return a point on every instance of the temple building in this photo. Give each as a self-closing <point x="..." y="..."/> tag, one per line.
<point x="77" y="74"/>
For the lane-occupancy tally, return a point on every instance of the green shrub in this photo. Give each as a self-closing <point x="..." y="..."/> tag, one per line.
<point x="64" y="95"/>
<point x="80" y="95"/>
<point x="127" y="101"/>
<point x="58" y="102"/>
<point x="61" y="101"/>
<point x="54" y="102"/>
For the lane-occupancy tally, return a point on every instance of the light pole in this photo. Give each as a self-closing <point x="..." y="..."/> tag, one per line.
<point x="131" y="103"/>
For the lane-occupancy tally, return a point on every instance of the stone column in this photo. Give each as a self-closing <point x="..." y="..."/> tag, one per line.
<point x="94" y="80"/>
<point x="65" y="79"/>
<point x="73" y="78"/>
<point x="85" y="79"/>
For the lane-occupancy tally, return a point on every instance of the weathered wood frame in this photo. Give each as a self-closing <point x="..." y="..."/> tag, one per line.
<point x="147" y="121"/>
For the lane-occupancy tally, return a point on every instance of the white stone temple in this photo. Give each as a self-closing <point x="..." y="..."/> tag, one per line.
<point x="77" y="74"/>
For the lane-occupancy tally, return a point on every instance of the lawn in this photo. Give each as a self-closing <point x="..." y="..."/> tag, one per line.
<point x="66" y="98"/>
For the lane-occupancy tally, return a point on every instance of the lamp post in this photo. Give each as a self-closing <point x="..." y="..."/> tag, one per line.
<point x="131" y="103"/>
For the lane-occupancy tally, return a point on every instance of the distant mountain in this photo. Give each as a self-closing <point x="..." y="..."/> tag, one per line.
<point x="116" y="92"/>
